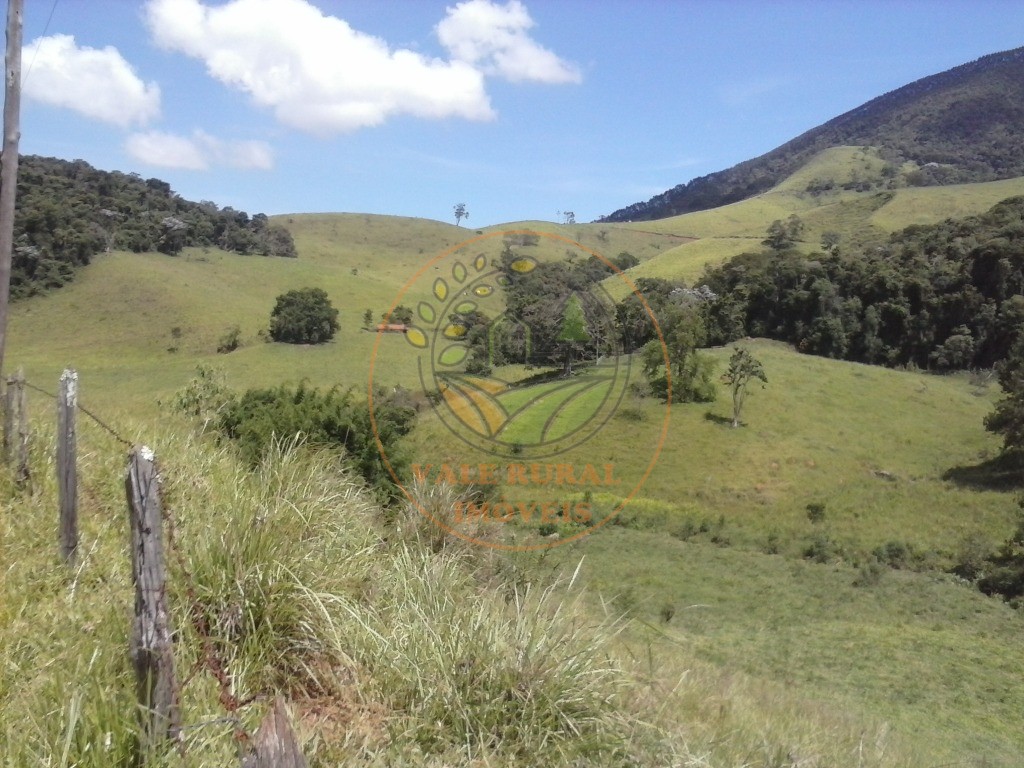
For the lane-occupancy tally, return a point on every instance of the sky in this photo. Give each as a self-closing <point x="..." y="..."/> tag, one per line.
<point x="522" y="110"/>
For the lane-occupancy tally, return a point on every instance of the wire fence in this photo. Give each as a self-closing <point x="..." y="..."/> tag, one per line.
<point x="160" y="689"/>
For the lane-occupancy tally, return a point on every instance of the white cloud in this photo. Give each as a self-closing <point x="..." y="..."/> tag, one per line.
<point x="198" y="152"/>
<point x="97" y="83"/>
<point x="493" y="37"/>
<point x="314" y="71"/>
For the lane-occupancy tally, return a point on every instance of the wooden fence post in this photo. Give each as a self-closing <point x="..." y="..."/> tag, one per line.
<point x="8" y="448"/>
<point x="15" y="446"/>
<point x="151" y="649"/>
<point x="21" y="475"/>
<point x="67" y="472"/>
<point x="275" y="745"/>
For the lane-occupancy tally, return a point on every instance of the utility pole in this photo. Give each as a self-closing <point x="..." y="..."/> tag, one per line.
<point x="9" y="160"/>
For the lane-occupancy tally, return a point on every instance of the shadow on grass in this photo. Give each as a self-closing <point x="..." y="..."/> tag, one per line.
<point x="1005" y="472"/>
<point x="723" y="421"/>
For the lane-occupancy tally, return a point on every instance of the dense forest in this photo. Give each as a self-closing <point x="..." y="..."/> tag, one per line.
<point x="68" y="211"/>
<point x="943" y="297"/>
<point x="962" y="125"/>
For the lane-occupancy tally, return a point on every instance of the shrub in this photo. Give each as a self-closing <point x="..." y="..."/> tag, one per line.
<point x="204" y="396"/>
<point x="1005" y="573"/>
<point x="821" y="549"/>
<point x="303" y="316"/>
<point x="331" y="419"/>
<point x="869" y="575"/>
<point x="816" y="512"/>
<point x="631" y="413"/>
<point x="972" y="557"/>
<point x="230" y="341"/>
<point x="895" y="554"/>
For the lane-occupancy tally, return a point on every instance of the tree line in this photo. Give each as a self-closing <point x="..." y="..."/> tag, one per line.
<point x="69" y="211"/>
<point x="943" y="297"/>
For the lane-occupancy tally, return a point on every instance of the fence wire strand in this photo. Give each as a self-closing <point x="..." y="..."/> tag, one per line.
<point x="84" y="410"/>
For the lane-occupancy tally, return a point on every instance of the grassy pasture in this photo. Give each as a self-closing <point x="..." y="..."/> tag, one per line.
<point x="874" y="446"/>
<point x="931" y="663"/>
<point x="930" y="205"/>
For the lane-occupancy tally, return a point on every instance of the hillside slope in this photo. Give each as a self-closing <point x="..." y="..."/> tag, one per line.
<point x="959" y="126"/>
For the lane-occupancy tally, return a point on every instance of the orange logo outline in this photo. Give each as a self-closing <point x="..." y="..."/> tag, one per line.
<point x="662" y="436"/>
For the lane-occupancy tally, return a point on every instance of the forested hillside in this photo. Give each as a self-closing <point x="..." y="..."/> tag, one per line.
<point x="962" y="125"/>
<point x="68" y="211"/>
<point x="941" y="297"/>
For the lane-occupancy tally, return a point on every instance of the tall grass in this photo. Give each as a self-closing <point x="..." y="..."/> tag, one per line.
<point x="394" y="646"/>
<point x="286" y="580"/>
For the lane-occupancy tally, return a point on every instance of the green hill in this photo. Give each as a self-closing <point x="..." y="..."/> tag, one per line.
<point x="138" y="324"/>
<point x="816" y="193"/>
<point x="959" y="126"/>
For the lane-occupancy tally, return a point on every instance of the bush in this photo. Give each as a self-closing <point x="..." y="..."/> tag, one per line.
<point x="303" y="316"/>
<point x="204" y="396"/>
<point x="332" y="419"/>
<point x="816" y="512"/>
<point x="869" y="575"/>
<point x="895" y="554"/>
<point x="972" y="557"/>
<point x="230" y="341"/>
<point x="821" y="549"/>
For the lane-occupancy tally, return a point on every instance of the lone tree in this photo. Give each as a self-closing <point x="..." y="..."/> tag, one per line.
<point x="573" y="331"/>
<point x="303" y="316"/>
<point x="743" y="367"/>
<point x="460" y="213"/>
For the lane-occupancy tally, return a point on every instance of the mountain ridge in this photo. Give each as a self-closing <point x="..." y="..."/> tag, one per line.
<point x="961" y="125"/>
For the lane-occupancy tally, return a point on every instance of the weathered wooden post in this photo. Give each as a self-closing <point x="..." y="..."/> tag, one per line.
<point x="15" y="448"/>
<point x="67" y="471"/>
<point x="151" y="649"/>
<point x="9" y="421"/>
<point x="275" y="745"/>
<point x="21" y="472"/>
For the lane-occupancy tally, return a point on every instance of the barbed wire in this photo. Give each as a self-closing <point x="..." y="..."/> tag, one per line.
<point x="83" y="409"/>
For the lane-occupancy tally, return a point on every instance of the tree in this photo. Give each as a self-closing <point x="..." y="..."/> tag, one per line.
<point x="1007" y="419"/>
<point x="274" y="240"/>
<point x="367" y="319"/>
<point x="460" y="213"/>
<point x="743" y="367"/>
<point x="303" y="316"/>
<point x="830" y="242"/>
<point x="173" y="237"/>
<point x="625" y="260"/>
<point x="573" y="331"/>
<point x="684" y="330"/>
<point x="783" y="234"/>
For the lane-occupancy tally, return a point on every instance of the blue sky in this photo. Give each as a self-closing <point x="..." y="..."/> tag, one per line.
<point x="519" y="109"/>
